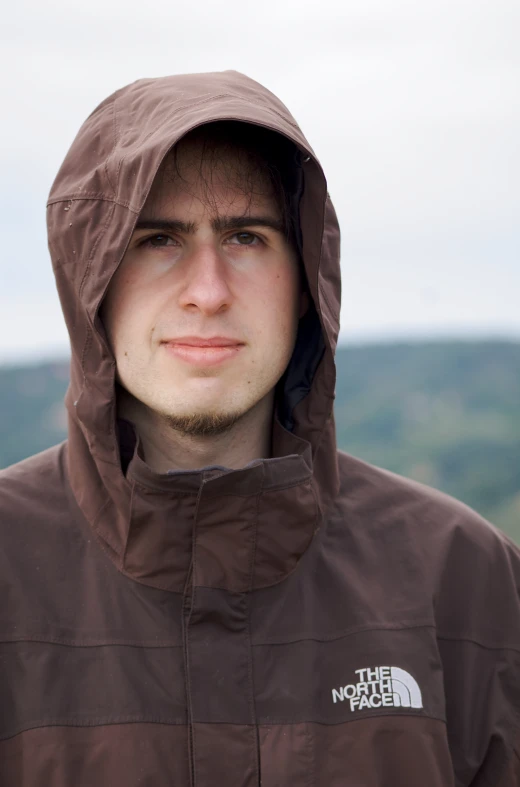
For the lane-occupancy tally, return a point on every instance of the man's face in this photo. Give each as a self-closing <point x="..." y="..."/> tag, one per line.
<point x="203" y="311"/>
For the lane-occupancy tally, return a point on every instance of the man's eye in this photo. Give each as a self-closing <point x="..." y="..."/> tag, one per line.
<point x="158" y="240"/>
<point x="245" y="238"/>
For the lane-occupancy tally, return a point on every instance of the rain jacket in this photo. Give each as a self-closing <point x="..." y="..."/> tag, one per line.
<point x="306" y="620"/>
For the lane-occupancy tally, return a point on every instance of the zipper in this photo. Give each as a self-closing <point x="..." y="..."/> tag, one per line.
<point x="187" y="604"/>
<point x="187" y="609"/>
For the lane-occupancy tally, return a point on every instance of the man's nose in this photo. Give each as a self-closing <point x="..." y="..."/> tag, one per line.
<point x="206" y="284"/>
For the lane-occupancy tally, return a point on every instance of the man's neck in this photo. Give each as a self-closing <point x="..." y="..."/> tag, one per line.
<point x="166" y="449"/>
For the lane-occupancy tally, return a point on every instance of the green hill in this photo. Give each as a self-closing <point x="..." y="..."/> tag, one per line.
<point x="444" y="413"/>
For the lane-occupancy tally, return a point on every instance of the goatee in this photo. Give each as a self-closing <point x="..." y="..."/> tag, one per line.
<point x="202" y="424"/>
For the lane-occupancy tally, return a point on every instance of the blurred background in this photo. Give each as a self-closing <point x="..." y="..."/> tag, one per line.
<point x="414" y="111"/>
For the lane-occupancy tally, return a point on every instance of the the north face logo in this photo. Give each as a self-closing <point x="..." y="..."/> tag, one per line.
<point x="380" y="687"/>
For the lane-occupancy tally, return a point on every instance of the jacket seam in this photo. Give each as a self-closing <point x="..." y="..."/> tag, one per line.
<point x="114" y="143"/>
<point x="143" y="580"/>
<point x="359" y="717"/>
<point x="250" y="667"/>
<point x="92" y="254"/>
<point x="178" y="721"/>
<point x="325" y="296"/>
<point x="192" y="763"/>
<point x="105" y="539"/>
<point x="280" y="720"/>
<point x="100" y="512"/>
<point x="179" y="108"/>
<point x="88" y="338"/>
<point x="105" y="721"/>
<point x="264" y="490"/>
<point x="167" y="643"/>
<point x="157" y="488"/>
<point x="472" y="641"/>
<point x="345" y="633"/>
<point x="129" y="525"/>
<point x="83" y="722"/>
<point x="71" y="643"/>
<point x="104" y="543"/>
<point x="116" y="140"/>
<point x="95" y="197"/>
<point x="270" y="722"/>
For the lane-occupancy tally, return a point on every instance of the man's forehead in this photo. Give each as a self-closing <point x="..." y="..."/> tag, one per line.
<point x="216" y="205"/>
<point x="217" y="192"/>
<point x="195" y="162"/>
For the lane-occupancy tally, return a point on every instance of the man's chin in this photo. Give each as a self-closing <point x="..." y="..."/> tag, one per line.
<point x="204" y="424"/>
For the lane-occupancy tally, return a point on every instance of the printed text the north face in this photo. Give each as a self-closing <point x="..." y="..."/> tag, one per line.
<point x="380" y="687"/>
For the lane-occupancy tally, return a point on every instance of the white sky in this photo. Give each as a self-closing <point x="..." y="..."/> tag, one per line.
<point x="412" y="107"/>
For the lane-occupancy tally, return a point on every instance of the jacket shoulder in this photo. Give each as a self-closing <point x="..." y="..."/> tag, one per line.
<point x="468" y="566"/>
<point x="428" y="511"/>
<point x="34" y="486"/>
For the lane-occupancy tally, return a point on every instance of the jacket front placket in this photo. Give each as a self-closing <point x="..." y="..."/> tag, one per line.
<point x="217" y="642"/>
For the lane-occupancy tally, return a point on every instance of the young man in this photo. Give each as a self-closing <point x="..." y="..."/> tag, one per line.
<point x="197" y="588"/>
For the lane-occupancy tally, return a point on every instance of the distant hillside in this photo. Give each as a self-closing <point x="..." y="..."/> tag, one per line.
<point x="32" y="414"/>
<point x="446" y="414"/>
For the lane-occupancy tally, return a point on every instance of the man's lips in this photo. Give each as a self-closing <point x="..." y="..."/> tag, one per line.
<point x="199" y="351"/>
<point x="199" y="341"/>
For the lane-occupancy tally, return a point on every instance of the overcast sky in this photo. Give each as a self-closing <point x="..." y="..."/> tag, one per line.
<point x="413" y="108"/>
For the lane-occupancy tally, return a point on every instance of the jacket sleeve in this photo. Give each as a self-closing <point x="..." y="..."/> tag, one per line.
<point x="478" y="628"/>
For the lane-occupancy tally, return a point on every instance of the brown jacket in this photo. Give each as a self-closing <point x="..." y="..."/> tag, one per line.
<point x="308" y="620"/>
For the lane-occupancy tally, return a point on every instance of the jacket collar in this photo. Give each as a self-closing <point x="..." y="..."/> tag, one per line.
<point x="236" y="530"/>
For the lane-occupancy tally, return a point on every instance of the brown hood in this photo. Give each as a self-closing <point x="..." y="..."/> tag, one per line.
<point x="142" y="518"/>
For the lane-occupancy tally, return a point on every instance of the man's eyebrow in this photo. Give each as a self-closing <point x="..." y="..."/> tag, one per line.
<point x="220" y="224"/>
<point x="166" y="225"/>
<point x="224" y="223"/>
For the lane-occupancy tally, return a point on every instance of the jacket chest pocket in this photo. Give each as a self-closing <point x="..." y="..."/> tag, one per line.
<point x="368" y="701"/>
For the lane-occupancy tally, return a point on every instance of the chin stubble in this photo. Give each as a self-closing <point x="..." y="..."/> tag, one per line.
<point x="202" y="424"/>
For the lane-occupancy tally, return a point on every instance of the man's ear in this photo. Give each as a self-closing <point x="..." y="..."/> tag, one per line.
<point x="304" y="304"/>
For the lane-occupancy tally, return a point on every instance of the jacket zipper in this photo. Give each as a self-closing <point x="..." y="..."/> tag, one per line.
<point x="186" y="614"/>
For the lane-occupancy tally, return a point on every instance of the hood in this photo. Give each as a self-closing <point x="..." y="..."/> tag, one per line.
<point x="92" y="210"/>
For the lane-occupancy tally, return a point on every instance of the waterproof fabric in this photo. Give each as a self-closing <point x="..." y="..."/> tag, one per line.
<point x="307" y="620"/>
